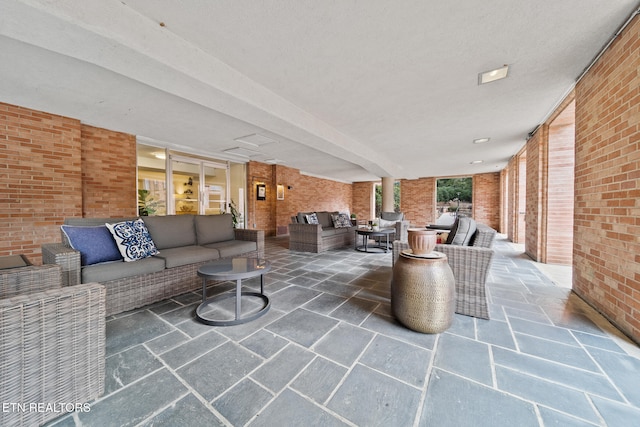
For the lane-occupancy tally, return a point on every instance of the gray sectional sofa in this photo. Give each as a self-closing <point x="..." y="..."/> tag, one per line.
<point x="305" y="237"/>
<point x="184" y="242"/>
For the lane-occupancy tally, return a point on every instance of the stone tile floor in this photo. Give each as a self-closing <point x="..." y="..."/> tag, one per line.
<point x="328" y="353"/>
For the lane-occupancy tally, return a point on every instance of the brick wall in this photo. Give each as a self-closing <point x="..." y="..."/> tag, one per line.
<point x="536" y="170"/>
<point x="108" y="173"/>
<point x="53" y="168"/>
<point x="41" y="178"/>
<point x="362" y="202"/>
<point x="606" y="260"/>
<point x="511" y="213"/>
<point x="486" y="199"/>
<point x="418" y="200"/>
<point x="260" y="213"/>
<point x="307" y="194"/>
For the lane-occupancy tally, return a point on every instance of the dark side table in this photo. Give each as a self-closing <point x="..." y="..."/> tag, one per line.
<point x="233" y="269"/>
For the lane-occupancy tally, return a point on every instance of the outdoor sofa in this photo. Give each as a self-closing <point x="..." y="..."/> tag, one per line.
<point x="323" y="235"/>
<point x="184" y="242"/>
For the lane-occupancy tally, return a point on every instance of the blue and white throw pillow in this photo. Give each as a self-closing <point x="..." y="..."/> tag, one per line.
<point x="133" y="239"/>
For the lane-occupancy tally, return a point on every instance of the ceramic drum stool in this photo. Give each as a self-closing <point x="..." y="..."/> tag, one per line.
<point x="423" y="292"/>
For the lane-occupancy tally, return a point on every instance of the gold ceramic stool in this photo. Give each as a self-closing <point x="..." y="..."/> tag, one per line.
<point x="423" y="292"/>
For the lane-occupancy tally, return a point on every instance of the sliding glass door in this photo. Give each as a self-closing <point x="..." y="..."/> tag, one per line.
<point x="198" y="187"/>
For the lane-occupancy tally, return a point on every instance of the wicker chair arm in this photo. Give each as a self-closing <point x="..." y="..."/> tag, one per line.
<point x="67" y="258"/>
<point x="252" y="236"/>
<point x="26" y="280"/>
<point x="52" y="349"/>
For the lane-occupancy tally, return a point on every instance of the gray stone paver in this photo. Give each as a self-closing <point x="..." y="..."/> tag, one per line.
<point x="328" y="353"/>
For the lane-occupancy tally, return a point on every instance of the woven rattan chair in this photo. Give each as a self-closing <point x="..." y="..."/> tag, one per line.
<point x="470" y="265"/>
<point x="52" y="344"/>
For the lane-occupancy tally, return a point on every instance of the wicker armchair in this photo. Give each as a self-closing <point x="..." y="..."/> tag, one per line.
<point x="52" y="344"/>
<point x="470" y="265"/>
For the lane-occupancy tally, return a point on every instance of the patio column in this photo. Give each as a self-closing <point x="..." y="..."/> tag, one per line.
<point x="387" y="194"/>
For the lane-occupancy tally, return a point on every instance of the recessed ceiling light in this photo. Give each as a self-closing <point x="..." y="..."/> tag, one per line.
<point x="481" y="140"/>
<point x="476" y="162"/>
<point x="493" y="75"/>
<point x="255" y="139"/>
<point x="160" y="155"/>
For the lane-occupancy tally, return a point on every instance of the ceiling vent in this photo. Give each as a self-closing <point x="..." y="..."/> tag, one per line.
<point x="255" y="140"/>
<point x="240" y="151"/>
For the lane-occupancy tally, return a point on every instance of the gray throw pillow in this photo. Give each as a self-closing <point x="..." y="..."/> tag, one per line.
<point x="462" y="231"/>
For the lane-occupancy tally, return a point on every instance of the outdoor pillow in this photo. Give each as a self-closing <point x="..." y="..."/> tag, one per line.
<point x="462" y="231"/>
<point x="133" y="239"/>
<point x="95" y="244"/>
<point x="387" y="223"/>
<point x="312" y="219"/>
<point x="341" y="220"/>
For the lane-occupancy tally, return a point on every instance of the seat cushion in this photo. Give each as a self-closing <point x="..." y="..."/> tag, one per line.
<point x="392" y="216"/>
<point x="118" y="269"/>
<point x="233" y="248"/>
<point x="171" y="231"/>
<point x="175" y="257"/>
<point x="462" y="231"/>
<point x="214" y="228"/>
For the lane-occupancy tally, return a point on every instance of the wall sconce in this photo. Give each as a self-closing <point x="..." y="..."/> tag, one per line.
<point x="280" y="192"/>
<point x="289" y="187"/>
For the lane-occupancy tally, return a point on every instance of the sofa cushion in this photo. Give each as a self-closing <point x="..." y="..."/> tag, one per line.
<point x="325" y="219"/>
<point x="384" y="223"/>
<point x="341" y="220"/>
<point x="392" y="216"/>
<point x="302" y="217"/>
<point x="119" y="270"/>
<point x="96" y="244"/>
<point x="462" y="231"/>
<point x="330" y="231"/>
<point x="232" y="248"/>
<point x="214" y="228"/>
<point x="133" y="239"/>
<point x="171" y="231"/>
<point x="175" y="257"/>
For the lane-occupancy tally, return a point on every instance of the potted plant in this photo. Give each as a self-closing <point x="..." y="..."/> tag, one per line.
<point x="234" y="213"/>
<point x="147" y="205"/>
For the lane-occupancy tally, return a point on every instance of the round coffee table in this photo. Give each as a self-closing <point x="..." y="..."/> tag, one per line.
<point x="366" y="234"/>
<point x="233" y="269"/>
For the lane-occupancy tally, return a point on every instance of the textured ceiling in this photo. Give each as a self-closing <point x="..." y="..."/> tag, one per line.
<point x="350" y="90"/>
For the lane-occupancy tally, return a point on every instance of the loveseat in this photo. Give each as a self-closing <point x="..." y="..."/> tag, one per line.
<point x="469" y="252"/>
<point x="184" y="243"/>
<point x="323" y="236"/>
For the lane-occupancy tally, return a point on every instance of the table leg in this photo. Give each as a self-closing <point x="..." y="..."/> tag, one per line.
<point x="204" y="289"/>
<point x="238" y="298"/>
